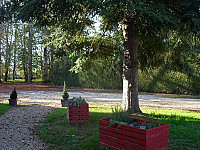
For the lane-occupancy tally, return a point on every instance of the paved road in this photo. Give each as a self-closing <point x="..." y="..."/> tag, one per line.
<point x="52" y="98"/>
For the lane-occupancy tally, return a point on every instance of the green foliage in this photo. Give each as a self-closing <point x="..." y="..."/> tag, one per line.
<point x="151" y="50"/>
<point x="104" y="74"/>
<point x="120" y="116"/>
<point x="60" y="72"/>
<point x="13" y="95"/>
<point x="75" y="101"/>
<point x="161" y="80"/>
<point x="65" y="94"/>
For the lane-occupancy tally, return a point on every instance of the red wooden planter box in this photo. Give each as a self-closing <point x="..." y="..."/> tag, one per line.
<point x="78" y="114"/>
<point x="129" y="138"/>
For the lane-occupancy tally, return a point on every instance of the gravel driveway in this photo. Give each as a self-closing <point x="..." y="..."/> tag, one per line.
<point x="52" y="98"/>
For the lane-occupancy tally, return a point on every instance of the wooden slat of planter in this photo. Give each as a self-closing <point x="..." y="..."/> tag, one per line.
<point x="79" y="110"/>
<point x="123" y="137"/>
<point x="122" y="142"/>
<point x="80" y="106"/>
<point x="158" y="129"/>
<point x="79" y="113"/>
<point x="125" y="132"/>
<point x="124" y="127"/>
<point x="157" y="137"/>
<point x="79" y="118"/>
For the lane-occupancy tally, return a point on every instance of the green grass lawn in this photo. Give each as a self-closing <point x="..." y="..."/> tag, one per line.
<point x="23" y="80"/>
<point x="184" y="129"/>
<point x="4" y="108"/>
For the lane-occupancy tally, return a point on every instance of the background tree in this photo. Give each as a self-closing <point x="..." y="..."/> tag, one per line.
<point x="15" y="51"/>
<point x="46" y="75"/>
<point x="30" y="53"/>
<point x="8" y="50"/>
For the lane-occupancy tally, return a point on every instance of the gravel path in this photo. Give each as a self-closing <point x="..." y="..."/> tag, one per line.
<point x="17" y="125"/>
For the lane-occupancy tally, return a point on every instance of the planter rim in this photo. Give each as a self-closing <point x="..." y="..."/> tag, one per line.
<point x="139" y="120"/>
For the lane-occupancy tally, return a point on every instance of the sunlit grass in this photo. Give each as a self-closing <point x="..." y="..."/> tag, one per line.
<point x="184" y="133"/>
<point x="4" y="108"/>
<point x="23" y="80"/>
<point x="16" y="80"/>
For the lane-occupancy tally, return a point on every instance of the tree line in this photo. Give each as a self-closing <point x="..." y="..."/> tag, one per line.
<point x="22" y="51"/>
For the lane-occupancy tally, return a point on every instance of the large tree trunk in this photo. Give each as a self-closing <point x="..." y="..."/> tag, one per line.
<point x="24" y="55"/>
<point x="130" y="66"/>
<point x="30" y="54"/>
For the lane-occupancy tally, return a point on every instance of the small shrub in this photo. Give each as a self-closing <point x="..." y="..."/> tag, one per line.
<point x="13" y="95"/>
<point x="65" y="95"/>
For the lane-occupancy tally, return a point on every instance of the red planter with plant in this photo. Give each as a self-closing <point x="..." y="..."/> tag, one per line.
<point x="126" y="137"/>
<point x="78" y="114"/>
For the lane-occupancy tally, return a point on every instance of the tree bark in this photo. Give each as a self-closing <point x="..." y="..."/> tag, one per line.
<point x="46" y="78"/>
<point x="130" y="100"/>
<point x="30" y="54"/>
<point x="24" y="55"/>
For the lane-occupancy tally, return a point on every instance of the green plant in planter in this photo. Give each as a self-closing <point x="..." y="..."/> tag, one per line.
<point x="119" y="116"/>
<point x="13" y="95"/>
<point x="65" y="94"/>
<point x="122" y="117"/>
<point x="76" y="101"/>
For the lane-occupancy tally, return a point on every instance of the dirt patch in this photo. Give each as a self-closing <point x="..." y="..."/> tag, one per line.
<point x="35" y="86"/>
